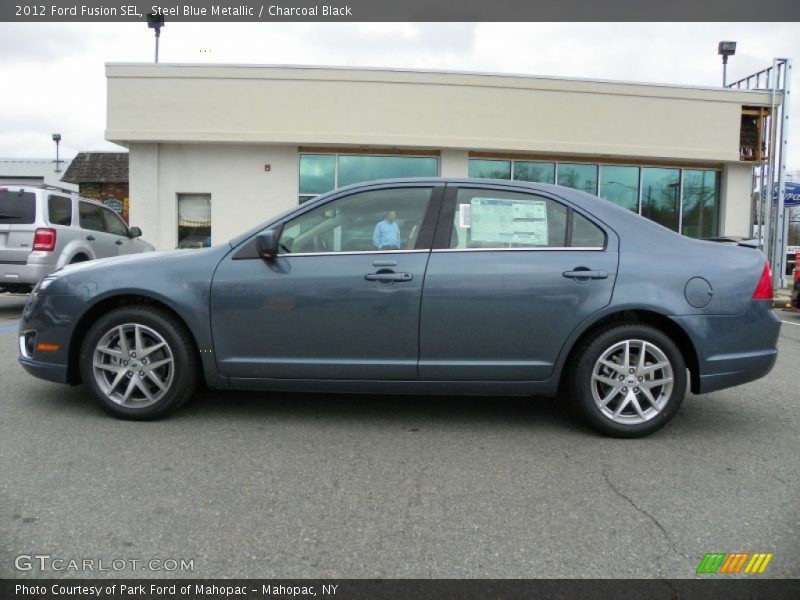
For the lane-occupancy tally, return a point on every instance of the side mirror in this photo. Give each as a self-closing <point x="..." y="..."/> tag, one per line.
<point x="267" y="244"/>
<point x="134" y="232"/>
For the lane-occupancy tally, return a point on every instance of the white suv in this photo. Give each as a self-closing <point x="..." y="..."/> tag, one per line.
<point x="42" y="229"/>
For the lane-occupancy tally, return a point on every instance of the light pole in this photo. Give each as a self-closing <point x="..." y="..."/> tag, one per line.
<point x="156" y="21"/>
<point x="57" y="140"/>
<point x="726" y="49"/>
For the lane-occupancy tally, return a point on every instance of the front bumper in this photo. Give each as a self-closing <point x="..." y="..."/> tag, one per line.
<point x="48" y="319"/>
<point x="46" y="371"/>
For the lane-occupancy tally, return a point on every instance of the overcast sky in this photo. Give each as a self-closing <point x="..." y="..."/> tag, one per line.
<point x="53" y="79"/>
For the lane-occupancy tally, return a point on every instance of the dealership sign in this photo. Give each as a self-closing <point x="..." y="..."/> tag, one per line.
<point x="791" y="194"/>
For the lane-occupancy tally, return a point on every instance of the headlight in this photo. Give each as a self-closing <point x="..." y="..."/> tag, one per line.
<point x="42" y="285"/>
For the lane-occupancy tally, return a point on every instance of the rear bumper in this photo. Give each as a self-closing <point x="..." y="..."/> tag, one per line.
<point x="28" y="274"/>
<point x="733" y="349"/>
<point x="738" y="370"/>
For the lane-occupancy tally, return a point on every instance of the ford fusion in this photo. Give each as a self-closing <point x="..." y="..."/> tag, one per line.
<point x="427" y="286"/>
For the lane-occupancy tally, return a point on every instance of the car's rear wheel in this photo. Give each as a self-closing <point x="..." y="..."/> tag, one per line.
<point x="629" y="380"/>
<point x="139" y="362"/>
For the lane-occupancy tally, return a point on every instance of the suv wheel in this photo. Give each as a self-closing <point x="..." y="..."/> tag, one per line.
<point x="139" y="362"/>
<point x="629" y="381"/>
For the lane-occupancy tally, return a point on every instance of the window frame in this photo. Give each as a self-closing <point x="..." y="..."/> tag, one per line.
<point x="113" y="215"/>
<point x="80" y="217"/>
<point x="247" y="250"/>
<point x="441" y="242"/>
<point x="51" y="197"/>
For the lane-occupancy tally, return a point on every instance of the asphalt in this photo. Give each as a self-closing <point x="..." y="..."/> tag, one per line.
<point x="297" y="485"/>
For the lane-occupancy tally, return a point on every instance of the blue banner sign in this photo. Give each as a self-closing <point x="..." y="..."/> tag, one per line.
<point x="791" y="194"/>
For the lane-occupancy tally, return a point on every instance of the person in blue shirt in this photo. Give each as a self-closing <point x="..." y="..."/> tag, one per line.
<point x="387" y="234"/>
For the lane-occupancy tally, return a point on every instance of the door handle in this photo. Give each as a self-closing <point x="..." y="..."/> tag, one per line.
<point x="118" y="242"/>
<point x="585" y="274"/>
<point x="388" y="277"/>
<point x="90" y="238"/>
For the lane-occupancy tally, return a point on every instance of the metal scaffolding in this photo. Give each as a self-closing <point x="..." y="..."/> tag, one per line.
<point x="769" y="176"/>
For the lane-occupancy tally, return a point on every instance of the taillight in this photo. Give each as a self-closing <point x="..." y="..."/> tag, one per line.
<point x="44" y="239"/>
<point x="764" y="287"/>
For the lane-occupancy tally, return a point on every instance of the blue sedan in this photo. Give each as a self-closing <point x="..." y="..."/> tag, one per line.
<point x="424" y="286"/>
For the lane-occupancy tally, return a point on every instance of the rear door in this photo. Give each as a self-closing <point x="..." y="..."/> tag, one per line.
<point x="17" y="224"/>
<point x="511" y="275"/>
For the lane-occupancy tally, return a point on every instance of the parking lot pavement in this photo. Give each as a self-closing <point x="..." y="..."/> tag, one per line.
<point x="295" y="485"/>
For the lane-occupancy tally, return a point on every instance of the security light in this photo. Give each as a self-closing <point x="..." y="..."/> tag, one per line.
<point x="57" y="140"/>
<point x="726" y="49"/>
<point x="156" y="21"/>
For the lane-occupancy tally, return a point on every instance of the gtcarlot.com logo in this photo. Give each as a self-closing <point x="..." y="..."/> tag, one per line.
<point x="46" y="562"/>
<point x="734" y="563"/>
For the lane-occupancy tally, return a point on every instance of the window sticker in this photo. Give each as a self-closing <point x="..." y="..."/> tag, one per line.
<point x="519" y="222"/>
<point x="464" y="221"/>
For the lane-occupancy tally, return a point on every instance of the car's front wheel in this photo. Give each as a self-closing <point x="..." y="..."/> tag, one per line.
<point x="629" y="380"/>
<point x="139" y="362"/>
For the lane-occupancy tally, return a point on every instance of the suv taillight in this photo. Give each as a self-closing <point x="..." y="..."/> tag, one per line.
<point x="764" y="287"/>
<point x="44" y="239"/>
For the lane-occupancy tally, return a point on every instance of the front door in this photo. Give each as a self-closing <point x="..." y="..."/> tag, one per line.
<point x="339" y="302"/>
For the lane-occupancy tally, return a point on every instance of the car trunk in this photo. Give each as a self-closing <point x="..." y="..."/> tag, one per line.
<point x="17" y="217"/>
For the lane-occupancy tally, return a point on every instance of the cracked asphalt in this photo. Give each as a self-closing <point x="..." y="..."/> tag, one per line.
<point x="296" y="485"/>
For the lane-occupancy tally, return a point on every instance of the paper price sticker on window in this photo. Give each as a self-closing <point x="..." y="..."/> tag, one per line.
<point x="516" y="222"/>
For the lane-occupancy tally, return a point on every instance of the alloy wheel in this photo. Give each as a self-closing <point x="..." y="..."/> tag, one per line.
<point x="133" y="365"/>
<point x="632" y="381"/>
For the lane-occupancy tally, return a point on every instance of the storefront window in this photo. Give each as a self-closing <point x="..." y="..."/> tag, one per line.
<point x="661" y="192"/>
<point x="490" y="169"/>
<point x="317" y="173"/>
<point x="321" y="173"/>
<point x="578" y="177"/>
<point x="620" y="185"/>
<point x="700" y="203"/>
<point x="194" y="220"/>
<point x="540" y="172"/>
<point x="355" y="169"/>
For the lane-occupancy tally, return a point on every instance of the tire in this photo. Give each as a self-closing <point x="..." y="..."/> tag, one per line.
<point x="129" y="385"/>
<point x="650" y="391"/>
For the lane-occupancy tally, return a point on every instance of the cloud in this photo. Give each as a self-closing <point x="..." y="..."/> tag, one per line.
<point x="70" y="58"/>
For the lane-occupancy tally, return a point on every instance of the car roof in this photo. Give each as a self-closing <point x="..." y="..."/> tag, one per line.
<point x="50" y="188"/>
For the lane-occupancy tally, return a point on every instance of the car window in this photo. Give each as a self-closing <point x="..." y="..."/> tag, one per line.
<point x="91" y="216"/>
<point x="586" y="234"/>
<point x="17" y="208"/>
<point x="376" y="220"/>
<point x="59" y="210"/>
<point x="113" y="223"/>
<point x="487" y="218"/>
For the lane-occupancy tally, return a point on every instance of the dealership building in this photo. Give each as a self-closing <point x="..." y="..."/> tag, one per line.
<point x="215" y="149"/>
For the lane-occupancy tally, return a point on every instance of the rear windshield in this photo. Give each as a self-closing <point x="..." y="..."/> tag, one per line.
<point x="17" y="208"/>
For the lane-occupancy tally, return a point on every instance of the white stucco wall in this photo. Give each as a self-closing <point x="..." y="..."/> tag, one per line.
<point x="737" y="190"/>
<point x="242" y="192"/>
<point x="297" y="106"/>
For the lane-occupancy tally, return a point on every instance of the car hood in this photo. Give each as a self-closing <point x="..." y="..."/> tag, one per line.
<point x="155" y="271"/>
<point x="136" y="260"/>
